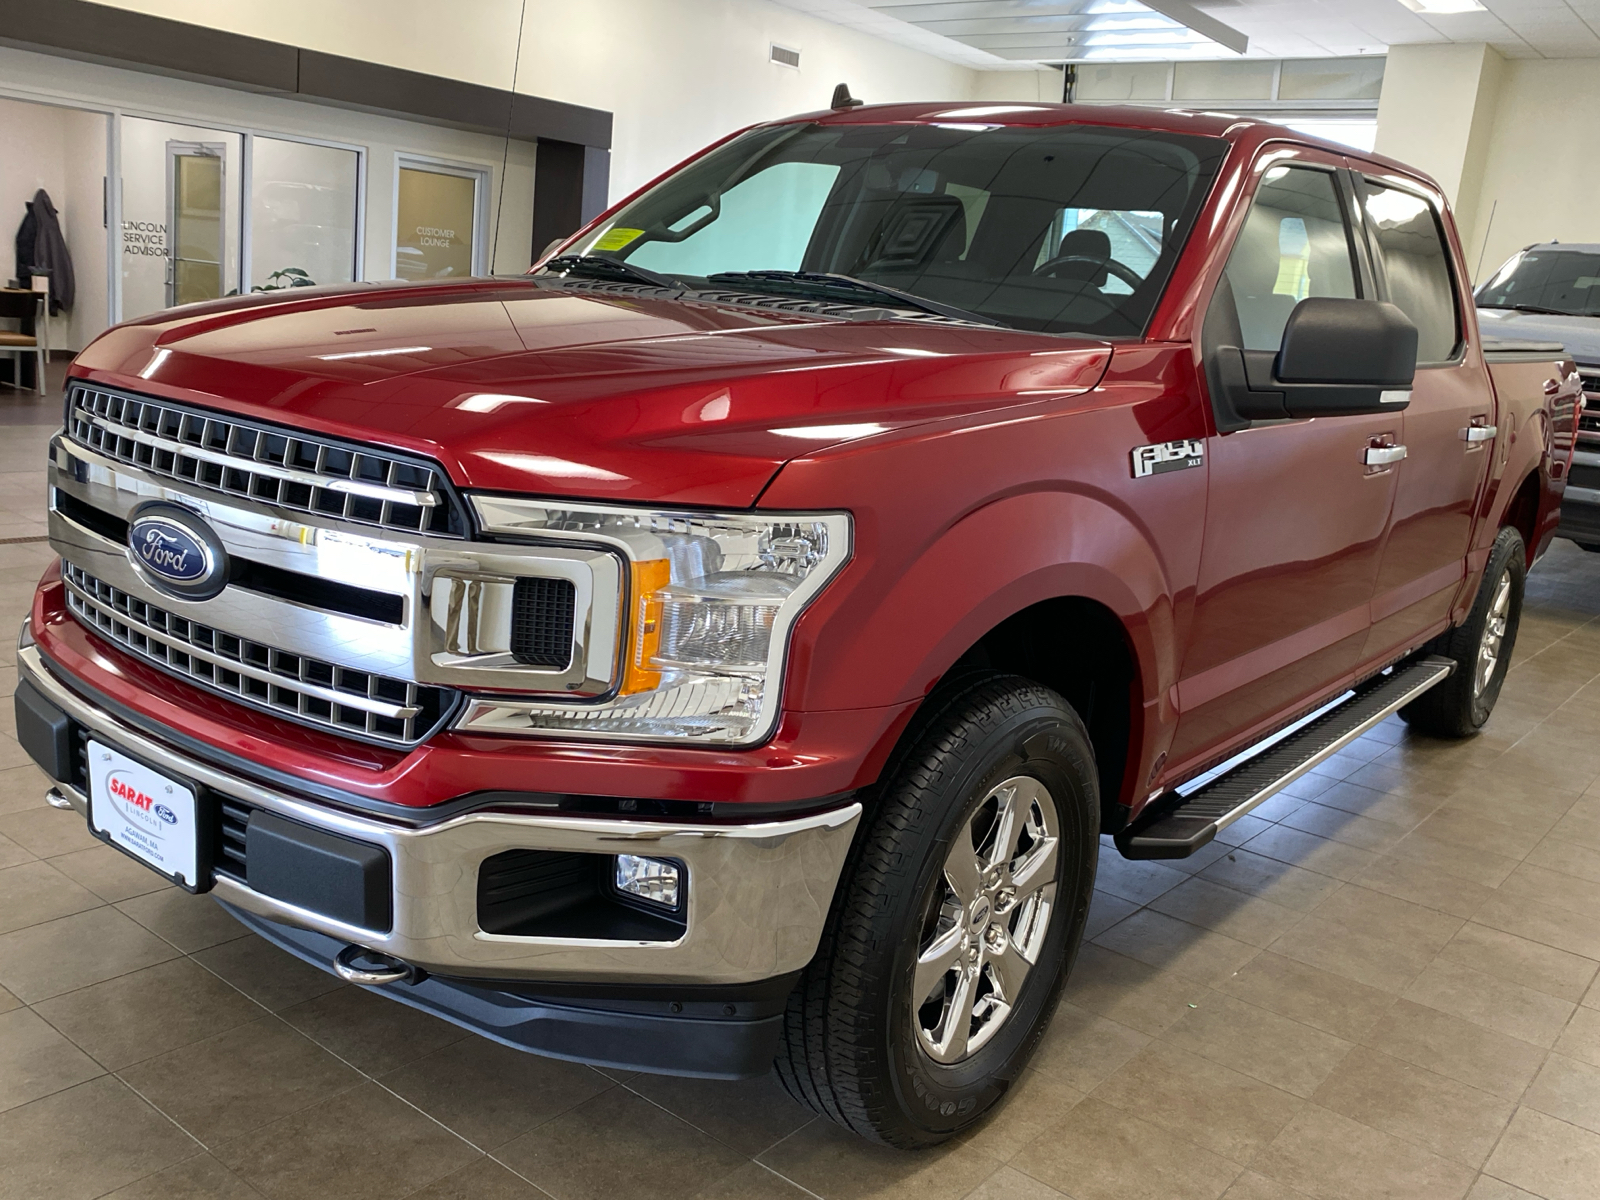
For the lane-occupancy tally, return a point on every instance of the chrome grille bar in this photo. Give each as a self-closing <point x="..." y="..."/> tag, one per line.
<point x="279" y="466"/>
<point x="302" y="689"/>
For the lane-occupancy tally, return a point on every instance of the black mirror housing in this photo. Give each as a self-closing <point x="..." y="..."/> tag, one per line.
<point x="1338" y="357"/>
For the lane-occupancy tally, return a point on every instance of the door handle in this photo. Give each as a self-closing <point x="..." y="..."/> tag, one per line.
<point x="1474" y="434"/>
<point x="1381" y="456"/>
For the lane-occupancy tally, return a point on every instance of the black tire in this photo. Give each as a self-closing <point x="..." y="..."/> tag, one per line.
<point x="853" y="1045"/>
<point x="1460" y="705"/>
<point x="1591" y="547"/>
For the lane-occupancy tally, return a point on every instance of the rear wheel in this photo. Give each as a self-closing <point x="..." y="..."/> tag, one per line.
<point x="1481" y="647"/>
<point x="1591" y="547"/>
<point x="957" y="923"/>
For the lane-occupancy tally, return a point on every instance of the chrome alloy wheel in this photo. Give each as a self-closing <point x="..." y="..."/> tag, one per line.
<point x="989" y="919"/>
<point x="1494" y="633"/>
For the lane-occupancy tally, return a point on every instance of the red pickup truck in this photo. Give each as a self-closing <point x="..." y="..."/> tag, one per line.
<point x="730" y="641"/>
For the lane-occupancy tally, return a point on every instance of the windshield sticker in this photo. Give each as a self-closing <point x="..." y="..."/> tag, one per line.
<point x="616" y="238"/>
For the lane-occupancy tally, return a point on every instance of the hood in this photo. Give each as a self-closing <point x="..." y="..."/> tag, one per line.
<point x="1580" y="335"/>
<point x="522" y="387"/>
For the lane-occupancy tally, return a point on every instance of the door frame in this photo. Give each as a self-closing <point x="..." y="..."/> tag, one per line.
<point x="480" y="175"/>
<point x="177" y="149"/>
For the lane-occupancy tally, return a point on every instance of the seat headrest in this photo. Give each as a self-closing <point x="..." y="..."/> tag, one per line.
<point x="1094" y="244"/>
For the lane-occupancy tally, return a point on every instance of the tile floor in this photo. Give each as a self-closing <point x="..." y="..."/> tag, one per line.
<point x="1383" y="986"/>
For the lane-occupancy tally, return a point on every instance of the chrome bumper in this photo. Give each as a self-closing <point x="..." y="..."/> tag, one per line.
<point x="757" y="894"/>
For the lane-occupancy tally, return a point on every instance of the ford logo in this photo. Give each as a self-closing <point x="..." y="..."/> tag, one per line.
<point x="177" y="551"/>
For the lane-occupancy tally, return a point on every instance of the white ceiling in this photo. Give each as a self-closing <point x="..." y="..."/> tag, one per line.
<point x="1008" y="34"/>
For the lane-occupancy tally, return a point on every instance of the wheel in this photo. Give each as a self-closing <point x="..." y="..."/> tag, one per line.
<point x="1481" y="647"/>
<point x="957" y="922"/>
<point x="1591" y="547"/>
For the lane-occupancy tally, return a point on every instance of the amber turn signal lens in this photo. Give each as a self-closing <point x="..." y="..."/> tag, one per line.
<point x="644" y="633"/>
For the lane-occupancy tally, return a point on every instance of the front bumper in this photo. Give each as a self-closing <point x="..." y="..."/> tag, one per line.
<point x="757" y="893"/>
<point x="1580" y="506"/>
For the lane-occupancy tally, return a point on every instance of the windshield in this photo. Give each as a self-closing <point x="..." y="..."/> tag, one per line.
<point x="1560" y="281"/>
<point x="1067" y="229"/>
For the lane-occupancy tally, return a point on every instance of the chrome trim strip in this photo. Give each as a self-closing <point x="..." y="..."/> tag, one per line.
<point x="758" y="893"/>
<point x="331" y="483"/>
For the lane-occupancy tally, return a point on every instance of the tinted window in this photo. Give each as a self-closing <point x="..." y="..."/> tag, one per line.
<point x="1294" y="244"/>
<point x="1411" y="247"/>
<point x="1564" y="281"/>
<point x="1070" y="228"/>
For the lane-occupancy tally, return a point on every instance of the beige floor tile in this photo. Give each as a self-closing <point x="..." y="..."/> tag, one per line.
<point x="1128" y="991"/>
<point x="1517" y="960"/>
<point x="1448" y="1045"/>
<point x="1280" y="882"/>
<point x="1575" y="932"/>
<point x="1331" y="1157"/>
<point x="21" y="787"/>
<point x="1172" y="945"/>
<point x="1274" y="1049"/>
<point x="8" y="1001"/>
<point x="1341" y="826"/>
<point x="602" y="1148"/>
<point x="1494" y="1003"/>
<point x="365" y="1144"/>
<point x="372" y="1033"/>
<point x="827" y="1161"/>
<point x="748" y="1115"/>
<point x="1405" y="812"/>
<point x="1554" y="888"/>
<point x="266" y="974"/>
<point x="1483" y="867"/>
<point x="1547" y="1157"/>
<point x="1253" y="1186"/>
<point x="1569" y="858"/>
<point x="109" y="874"/>
<point x="1080" y="1048"/>
<point x="1413" y="926"/>
<point x="1321" y="999"/>
<point x="1224" y="910"/>
<point x="1433" y="1111"/>
<point x="1581" y="1038"/>
<point x="486" y="1179"/>
<point x="1205" y="1102"/>
<point x="72" y="952"/>
<point x="1307" y="787"/>
<point x="1353" y="953"/>
<point x="1307" y="850"/>
<point x="1007" y="1184"/>
<point x="11" y="854"/>
<point x="1569" y="1090"/>
<point x="86" y="1141"/>
<point x="489" y="1093"/>
<point x="140" y="1015"/>
<point x="47" y="832"/>
<point x="199" y="1178"/>
<point x="1127" y="879"/>
<point x="225" y="1086"/>
<point x="36" y="1061"/>
<point x="35" y="891"/>
<point x="1103" y="1153"/>
<point x="1490" y="1188"/>
<point x="1033" y="1106"/>
<point x="190" y="923"/>
<point x="1105" y="910"/>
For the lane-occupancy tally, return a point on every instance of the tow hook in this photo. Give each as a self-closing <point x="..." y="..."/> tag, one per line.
<point x="369" y="968"/>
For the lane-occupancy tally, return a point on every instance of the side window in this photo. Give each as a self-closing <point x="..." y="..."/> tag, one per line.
<point x="1294" y="244"/>
<point x="1416" y="263"/>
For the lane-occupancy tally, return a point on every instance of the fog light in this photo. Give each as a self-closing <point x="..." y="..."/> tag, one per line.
<point x="654" y="880"/>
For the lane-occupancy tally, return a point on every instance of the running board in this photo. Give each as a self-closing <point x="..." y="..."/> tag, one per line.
<point x="1175" y="826"/>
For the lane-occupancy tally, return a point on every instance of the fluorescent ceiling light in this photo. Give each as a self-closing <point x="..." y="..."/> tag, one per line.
<point x="1436" y="7"/>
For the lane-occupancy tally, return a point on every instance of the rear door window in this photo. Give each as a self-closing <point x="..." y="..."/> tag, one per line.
<point x="1411" y="252"/>
<point x="1295" y="244"/>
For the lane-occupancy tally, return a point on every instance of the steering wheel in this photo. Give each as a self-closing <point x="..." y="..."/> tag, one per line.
<point x="1125" y="273"/>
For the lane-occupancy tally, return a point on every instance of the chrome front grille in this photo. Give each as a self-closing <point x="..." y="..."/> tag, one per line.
<point x="284" y="467"/>
<point x="306" y="690"/>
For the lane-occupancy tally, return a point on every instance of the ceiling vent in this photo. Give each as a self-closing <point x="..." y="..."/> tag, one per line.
<point x="784" y="56"/>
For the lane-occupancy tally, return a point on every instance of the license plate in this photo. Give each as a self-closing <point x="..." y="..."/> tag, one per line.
<point x="143" y="812"/>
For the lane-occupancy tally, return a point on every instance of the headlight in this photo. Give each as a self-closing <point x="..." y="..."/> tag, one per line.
<point x="712" y="599"/>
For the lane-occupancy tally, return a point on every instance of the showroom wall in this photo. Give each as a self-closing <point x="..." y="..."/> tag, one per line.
<point x="624" y="56"/>
<point x="1508" y="140"/>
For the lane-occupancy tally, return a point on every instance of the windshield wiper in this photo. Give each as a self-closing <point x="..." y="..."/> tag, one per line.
<point x="825" y="284"/>
<point x="609" y="268"/>
<point x="1534" y="308"/>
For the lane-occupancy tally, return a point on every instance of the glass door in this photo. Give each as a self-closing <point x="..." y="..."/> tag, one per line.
<point x="195" y="208"/>
<point x="437" y="233"/>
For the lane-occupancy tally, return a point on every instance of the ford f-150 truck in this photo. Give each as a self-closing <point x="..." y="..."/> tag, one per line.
<point x="729" y="642"/>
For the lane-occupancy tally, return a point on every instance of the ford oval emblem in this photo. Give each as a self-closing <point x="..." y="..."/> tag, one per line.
<point x="177" y="551"/>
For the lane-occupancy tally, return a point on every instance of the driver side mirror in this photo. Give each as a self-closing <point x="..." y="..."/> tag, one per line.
<point x="1338" y="358"/>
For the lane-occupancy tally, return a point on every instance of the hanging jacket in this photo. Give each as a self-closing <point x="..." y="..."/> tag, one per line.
<point x="49" y="254"/>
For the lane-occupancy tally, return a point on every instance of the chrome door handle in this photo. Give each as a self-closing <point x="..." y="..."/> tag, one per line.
<point x="1478" y="433"/>
<point x="1378" y="456"/>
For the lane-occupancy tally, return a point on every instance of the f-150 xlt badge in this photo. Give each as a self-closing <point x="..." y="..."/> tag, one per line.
<point x="1168" y="456"/>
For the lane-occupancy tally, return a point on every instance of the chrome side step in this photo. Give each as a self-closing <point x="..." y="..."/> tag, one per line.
<point x="1175" y="825"/>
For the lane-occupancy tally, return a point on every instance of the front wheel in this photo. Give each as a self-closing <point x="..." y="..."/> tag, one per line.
<point x="957" y="923"/>
<point x="1481" y="647"/>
